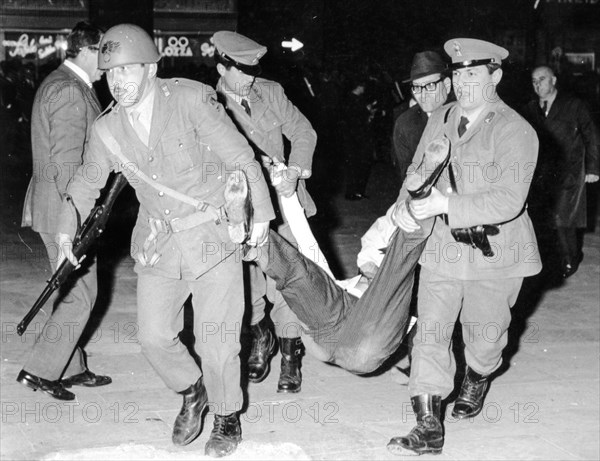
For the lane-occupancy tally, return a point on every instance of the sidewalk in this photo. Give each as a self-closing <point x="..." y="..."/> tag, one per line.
<point x="545" y="405"/>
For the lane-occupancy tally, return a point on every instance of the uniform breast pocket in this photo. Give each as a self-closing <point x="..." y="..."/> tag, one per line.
<point x="182" y="152"/>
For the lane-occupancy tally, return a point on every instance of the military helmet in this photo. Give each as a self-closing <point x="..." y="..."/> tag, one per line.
<point x="126" y="44"/>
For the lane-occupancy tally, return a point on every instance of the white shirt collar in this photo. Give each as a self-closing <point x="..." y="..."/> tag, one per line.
<point x="79" y="71"/>
<point x="473" y="116"/>
<point x="145" y="107"/>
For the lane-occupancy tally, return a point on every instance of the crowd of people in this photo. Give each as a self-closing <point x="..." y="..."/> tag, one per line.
<point x="227" y="164"/>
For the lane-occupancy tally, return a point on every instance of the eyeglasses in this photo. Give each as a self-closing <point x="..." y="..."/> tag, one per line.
<point x="94" y="47"/>
<point x="431" y="86"/>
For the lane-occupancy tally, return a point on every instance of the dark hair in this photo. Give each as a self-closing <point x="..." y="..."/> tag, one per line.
<point x="83" y="34"/>
<point x="493" y="67"/>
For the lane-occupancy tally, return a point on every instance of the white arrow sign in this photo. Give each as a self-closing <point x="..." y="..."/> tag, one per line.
<point x="294" y="44"/>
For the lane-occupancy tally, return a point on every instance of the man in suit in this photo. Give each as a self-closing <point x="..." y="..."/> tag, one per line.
<point x="460" y="276"/>
<point x="179" y="149"/>
<point x="569" y="159"/>
<point x="264" y="114"/>
<point x="64" y="110"/>
<point x="430" y="86"/>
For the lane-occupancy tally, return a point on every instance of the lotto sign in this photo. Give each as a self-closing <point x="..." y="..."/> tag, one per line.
<point x="185" y="46"/>
<point x="177" y="47"/>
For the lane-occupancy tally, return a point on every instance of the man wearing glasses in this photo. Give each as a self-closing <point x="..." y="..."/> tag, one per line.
<point x="64" y="110"/>
<point x="430" y="88"/>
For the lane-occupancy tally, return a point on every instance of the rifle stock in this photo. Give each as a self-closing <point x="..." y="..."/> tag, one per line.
<point x="91" y="229"/>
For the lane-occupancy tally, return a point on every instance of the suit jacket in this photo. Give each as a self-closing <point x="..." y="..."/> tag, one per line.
<point x="192" y="146"/>
<point x="64" y="110"/>
<point x="273" y="116"/>
<point x="569" y="149"/>
<point x="408" y="129"/>
<point x="493" y="163"/>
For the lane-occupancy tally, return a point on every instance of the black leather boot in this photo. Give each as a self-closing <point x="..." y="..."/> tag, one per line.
<point x="263" y="347"/>
<point x="290" y="378"/>
<point x="188" y="423"/>
<point x="470" y="400"/>
<point x="428" y="435"/>
<point x="225" y="436"/>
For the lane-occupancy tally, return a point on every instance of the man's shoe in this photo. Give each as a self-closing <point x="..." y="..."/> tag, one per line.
<point x="263" y="347"/>
<point x="472" y="392"/>
<point x="52" y="388"/>
<point x="188" y="423"/>
<point x="290" y="378"/>
<point x="225" y="436"/>
<point x="87" y="379"/>
<point x="238" y="206"/>
<point x="428" y="435"/>
<point x="435" y="159"/>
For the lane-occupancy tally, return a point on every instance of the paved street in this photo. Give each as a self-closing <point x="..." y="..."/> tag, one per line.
<point x="544" y="403"/>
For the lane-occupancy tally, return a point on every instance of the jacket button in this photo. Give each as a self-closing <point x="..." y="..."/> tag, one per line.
<point x="449" y="190"/>
<point x="167" y="211"/>
<point x="180" y="145"/>
<point x="154" y="176"/>
<point x="150" y="159"/>
<point x="251" y="131"/>
<point x="161" y="193"/>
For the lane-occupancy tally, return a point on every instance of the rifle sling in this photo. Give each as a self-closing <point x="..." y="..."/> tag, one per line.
<point x="109" y="140"/>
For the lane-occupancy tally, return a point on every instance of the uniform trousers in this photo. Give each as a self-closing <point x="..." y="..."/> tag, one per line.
<point x="285" y="321"/>
<point x="358" y="334"/>
<point x="484" y="310"/>
<point x="56" y="352"/>
<point x="217" y="298"/>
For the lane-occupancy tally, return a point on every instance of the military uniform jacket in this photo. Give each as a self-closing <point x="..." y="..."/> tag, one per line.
<point x="64" y="110"/>
<point x="192" y="146"/>
<point x="568" y="150"/>
<point x="493" y="163"/>
<point x="272" y="116"/>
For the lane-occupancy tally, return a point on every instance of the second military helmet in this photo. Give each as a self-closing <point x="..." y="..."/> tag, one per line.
<point x="126" y="44"/>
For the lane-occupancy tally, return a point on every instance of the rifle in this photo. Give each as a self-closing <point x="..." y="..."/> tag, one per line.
<point x="86" y="234"/>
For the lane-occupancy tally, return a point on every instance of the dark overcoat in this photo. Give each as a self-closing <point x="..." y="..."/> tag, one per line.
<point x="568" y="151"/>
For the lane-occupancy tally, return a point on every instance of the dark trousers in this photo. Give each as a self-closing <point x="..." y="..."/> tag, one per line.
<point x="568" y="239"/>
<point x="359" y="334"/>
<point x="56" y="352"/>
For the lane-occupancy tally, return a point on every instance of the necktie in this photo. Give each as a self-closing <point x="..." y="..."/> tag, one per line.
<point x="545" y="108"/>
<point x="246" y="107"/>
<point x="139" y="128"/>
<point x="462" y="126"/>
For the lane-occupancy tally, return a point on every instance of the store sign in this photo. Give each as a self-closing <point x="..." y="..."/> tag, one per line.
<point x="186" y="46"/>
<point x="33" y="45"/>
<point x="575" y="2"/>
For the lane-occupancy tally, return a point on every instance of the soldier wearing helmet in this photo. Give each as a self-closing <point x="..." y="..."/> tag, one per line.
<point x="178" y="149"/>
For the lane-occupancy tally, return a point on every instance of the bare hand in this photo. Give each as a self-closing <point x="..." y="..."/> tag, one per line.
<point x="402" y="218"/>
<point x="65" y="249"/>
<point x="590" y="178"/>
<point x="435" y="204"/>
<point x="260" y="232"/>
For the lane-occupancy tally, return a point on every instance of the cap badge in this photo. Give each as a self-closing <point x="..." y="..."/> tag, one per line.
<point x="457" y="48"/>
<point x="108" y="48"/>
